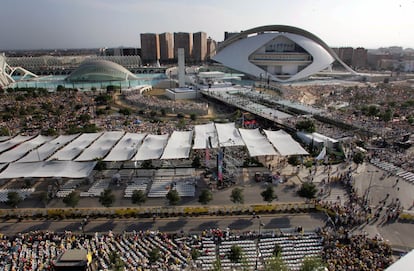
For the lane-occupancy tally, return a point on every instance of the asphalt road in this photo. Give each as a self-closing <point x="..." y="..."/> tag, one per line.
<point x="178" y="224"/>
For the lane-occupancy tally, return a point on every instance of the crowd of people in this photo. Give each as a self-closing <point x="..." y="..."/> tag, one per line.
<point x="345" y="251"/>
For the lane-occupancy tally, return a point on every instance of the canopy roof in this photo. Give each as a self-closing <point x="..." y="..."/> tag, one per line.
<point x="179" y="145"/>
<point x="152" y="147"/>
<point x="284" y="143"/>
<point x="13" y="142"/>
<point x="62" y="169"/>
<point x="22" y="149"/>
<point x="126" y="148"/>
<point x="47" y="149"/>
<point x="228" y="135"/>
<point x="256" y="143"/>
<point x="101" y="146"/>
<point x="205" y="136"/>
<point x="73" y="149"/>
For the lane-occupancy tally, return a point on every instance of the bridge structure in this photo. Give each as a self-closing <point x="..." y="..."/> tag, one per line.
<point x="7" y="72"/>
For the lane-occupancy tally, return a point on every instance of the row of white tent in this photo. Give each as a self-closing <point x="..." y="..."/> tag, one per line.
<point x="121" y="146"/>
<point x="74" y="156"/>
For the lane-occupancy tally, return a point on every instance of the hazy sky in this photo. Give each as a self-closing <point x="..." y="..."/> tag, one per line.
<point x="35" y="24"/>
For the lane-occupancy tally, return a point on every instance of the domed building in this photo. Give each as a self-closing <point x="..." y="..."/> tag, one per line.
<point x="277" y="52"/>
<point x="99" y="70"/>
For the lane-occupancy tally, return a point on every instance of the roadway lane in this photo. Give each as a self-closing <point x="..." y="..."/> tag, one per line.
<point x="176" y="224"/>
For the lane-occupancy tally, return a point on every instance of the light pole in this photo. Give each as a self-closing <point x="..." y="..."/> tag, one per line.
<point x="258" y="242"/>
<point x="369" y="186"/>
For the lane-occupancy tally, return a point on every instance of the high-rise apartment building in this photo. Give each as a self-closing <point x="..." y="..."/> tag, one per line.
<point x="211" y="47"/>
<point x="360" y="58"/>
<point x="345" y="54"/>
<point x="150" y="47"/>
<point x="166" y="46"/>
<point x="199" y="46"/>
<point x="185" y="41"/>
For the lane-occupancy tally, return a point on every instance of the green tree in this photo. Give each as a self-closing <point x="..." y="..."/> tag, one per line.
<point x="125" y="111"/>
<point x="193" y="116"/>
<point x="49" y="132"/>
<point x="205" y="196"/>
<point x="237" y="195"/>
<point x="307" y="190"/>
<point x="84" y="118"/>
<point x="358" y="158"/>
<point x="13" y="199"/>
<point x="312" y="264"/>
<point x="138" y="197"/>
<point x="100" y="165"/>
<point x="173" y="197"/>
<point x="154" y="255"/>
<point x="217" y="264"/>
<point x="146" y="164"/>
<point x="235" y="254"/>
<point x="163" y="113"/>
<point x="293" y="160"/>
<point x="116" y="262"/>
<point x="4" y="131"/>
<point x="306" y="125"/>
<point x="195" y="253"/>
<point x="277" y="250"/>
<point x="276" y="263"/>
<point x="107" y="198"/>
<point x="268" y="194"/>
<point x="196" y="162"/>
<point x="72" y="199"/>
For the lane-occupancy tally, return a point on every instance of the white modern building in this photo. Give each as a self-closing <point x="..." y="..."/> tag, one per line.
<point x="277" y="53"/>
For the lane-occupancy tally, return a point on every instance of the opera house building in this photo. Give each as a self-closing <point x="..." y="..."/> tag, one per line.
<point x="276" y="52"/>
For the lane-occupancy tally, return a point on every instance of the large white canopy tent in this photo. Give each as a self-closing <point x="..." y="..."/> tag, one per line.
<point x="47" y="149"/>
<point x="228" y="135"/>
<point x="284" y="143"/>
<point x="178" y="146"/>
<point x="13" y="142"/>
<point x="48" y="169"/>
<point x="151" y="148"/>
<point x="22" y="149"/>
<point x="256" y="143"/>
<point x="101" y="146"/>
<point x="73" y="149"/>
<point x="126" y="148"/>
<point x="205" y="136"/>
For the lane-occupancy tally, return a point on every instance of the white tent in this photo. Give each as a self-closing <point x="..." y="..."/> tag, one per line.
<point x="284" y="143"/>
<point x="22" y="149"/>
<point x="101" y="146"/>
<point x="228" y="135"/>
<point x="126" y="148"/>
<point x="205" y="136"/>
<point x="74" y="148"/>
<point x="48" y="169"/>
<point x="13" y="142"/>
<point x="47" y="149"/>
<point x="257" y="144"/>
<point x="178" y="146"/>
<point x="152" y="147"/>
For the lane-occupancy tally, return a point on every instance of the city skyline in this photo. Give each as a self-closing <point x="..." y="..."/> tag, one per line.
<point x="59" y="24"/>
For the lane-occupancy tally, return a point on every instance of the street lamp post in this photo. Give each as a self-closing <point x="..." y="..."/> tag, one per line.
<point x="258" y="242"/>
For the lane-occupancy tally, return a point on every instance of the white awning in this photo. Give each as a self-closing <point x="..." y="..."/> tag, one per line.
<point x="228" y="135"/>
<point x="48" y="169"/>
<point x="152" y="147"/>
<point x="178" y="146"/>
<point x="22" y="149"/>
<point x="47" y="149"/>
<point x="284" y="143"/>
<point x="13" y="142"/>
<point x="256" y="143"/>
<point x="205" y="136"/>
<point x="126" y="148"/>
<point x="74" y="148"/>
<point x="101" y="146"/>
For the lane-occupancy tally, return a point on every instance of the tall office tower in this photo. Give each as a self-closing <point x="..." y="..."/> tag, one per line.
<point x="211" y="47"/>
<point x="360" y="58"/>
<point x="166" y="46"/>
<point x="185" y="41"/>
<point x="199" y="46"/>
<point x="345" y="54"/>
<point x="150" y="47"/>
